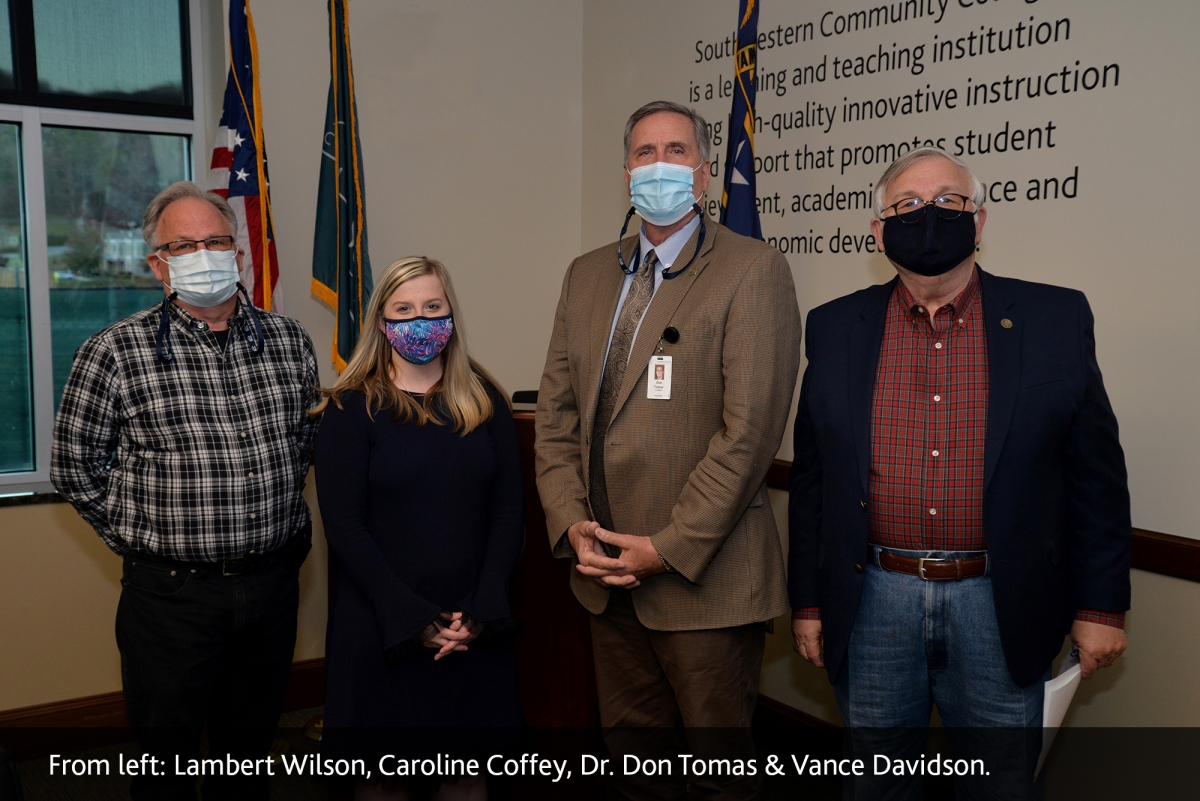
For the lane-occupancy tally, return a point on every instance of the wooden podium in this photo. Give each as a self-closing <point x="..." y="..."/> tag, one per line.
<point x="554" y="652"/>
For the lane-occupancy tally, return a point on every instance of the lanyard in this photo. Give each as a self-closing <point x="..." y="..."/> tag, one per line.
<point x="164" y="329"/>
<point x="637" y="251"/>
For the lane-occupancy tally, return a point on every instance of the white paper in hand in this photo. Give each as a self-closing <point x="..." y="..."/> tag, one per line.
<point x="1059" y="692"/>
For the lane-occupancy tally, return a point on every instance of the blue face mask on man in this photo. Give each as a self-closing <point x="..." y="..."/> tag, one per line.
<point x="662" y="192"/>
<point x="204" y="278"/>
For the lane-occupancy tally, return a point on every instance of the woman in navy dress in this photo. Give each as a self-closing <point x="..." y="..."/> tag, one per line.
<point x="418" y="479"/>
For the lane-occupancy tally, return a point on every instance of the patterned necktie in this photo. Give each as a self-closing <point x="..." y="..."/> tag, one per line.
<point x="640" y="293"/>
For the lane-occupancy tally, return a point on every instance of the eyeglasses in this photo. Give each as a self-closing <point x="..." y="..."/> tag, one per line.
<point x="182" y="247"/>
<point x="912" y="209"/>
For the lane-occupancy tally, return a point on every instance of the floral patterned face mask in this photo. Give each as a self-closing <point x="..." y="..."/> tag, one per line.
<point x="419" y="340"/>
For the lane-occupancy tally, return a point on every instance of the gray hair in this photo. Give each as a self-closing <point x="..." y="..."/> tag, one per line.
<point x="178" y="191"/>
<point x="699" y="126"/>
<point x="920" y="154"/>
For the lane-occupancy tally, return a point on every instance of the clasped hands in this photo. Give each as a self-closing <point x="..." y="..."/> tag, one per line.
<point x="450" y="632"/>
<point x="637" y="560"/>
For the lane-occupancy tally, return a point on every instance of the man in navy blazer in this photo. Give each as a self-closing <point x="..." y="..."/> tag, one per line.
<point x="958" y="493"/>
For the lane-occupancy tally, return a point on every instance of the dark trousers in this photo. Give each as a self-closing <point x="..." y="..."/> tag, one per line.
<point x="198" y="649"/>
<point x="667" y="693"/>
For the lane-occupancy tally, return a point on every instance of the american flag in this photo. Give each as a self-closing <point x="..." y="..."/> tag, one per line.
<point x="239" y="163"/>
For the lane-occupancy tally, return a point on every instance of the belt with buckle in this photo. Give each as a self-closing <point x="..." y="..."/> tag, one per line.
<point x="934" y="569"/>
<point x="252" y="562"/>
<point x="242" y="565"/>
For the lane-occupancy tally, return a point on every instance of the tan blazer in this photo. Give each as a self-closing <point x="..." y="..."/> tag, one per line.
<point x="688" y="472"/>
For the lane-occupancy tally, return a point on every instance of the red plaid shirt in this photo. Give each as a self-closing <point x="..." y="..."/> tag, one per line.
<point x="929" y="425"/>
<point x="929" y="428"/>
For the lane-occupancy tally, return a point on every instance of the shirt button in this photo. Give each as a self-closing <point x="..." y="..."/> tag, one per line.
<point x="938" y="345"/>
<point x="937" y="398"/>
<point x="960" y="321"/>
<point x="233" y="397"/>
<point x="242" y="434"/>
<point x="935" y="453"/>
<point x="933" y="511"/>
<point x="250" y="474"/>
<point x="253" y="515"/>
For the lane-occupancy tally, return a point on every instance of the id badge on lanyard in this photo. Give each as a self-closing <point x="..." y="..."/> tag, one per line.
<point x="658" y="387"/>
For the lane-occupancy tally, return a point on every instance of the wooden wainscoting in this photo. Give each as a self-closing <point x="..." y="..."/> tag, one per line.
<point x="97" y="720"/>
<point x="306" y="688"/>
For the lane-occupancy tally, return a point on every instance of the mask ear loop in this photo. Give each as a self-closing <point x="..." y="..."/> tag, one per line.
<point x="164" y="332"/>
<point x="637" y="250"/>
<point x="668" y="275"/>
<point x="257" y="343"/>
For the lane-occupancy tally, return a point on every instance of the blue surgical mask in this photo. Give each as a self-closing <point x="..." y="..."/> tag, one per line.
<point x="204" y="278"/>
<point x="662" y="192"/>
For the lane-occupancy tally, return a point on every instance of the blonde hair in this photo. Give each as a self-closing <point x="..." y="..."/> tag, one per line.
<point x="371" y="368"/>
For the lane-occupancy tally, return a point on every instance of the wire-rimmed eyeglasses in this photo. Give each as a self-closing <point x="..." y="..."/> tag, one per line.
<point x="911" y="210"/>
<point x="182" y="247"/>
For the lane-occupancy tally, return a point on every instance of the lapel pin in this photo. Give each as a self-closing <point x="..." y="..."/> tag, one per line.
<point x="1006" y="323"/>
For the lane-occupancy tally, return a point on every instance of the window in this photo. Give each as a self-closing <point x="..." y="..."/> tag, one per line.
<point x="95" y="119"/>
<point x="6" y="60"/>
<point x="16" y="398"/>
<point x="116" y="49"/>
<point x="125" y="56"/>
<point x="98" y="184"/>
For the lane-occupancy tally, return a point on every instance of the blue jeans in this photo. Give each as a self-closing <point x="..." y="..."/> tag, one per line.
<point x="917" y="643"/>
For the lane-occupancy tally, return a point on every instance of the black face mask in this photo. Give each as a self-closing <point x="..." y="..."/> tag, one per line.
<point x="931" y="245"/>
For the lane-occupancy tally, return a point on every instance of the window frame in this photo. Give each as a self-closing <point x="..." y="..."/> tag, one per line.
<point x="25" y="72"/>
<point x="102" y="115"/>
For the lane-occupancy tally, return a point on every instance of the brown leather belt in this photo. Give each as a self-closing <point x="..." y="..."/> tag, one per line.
<point x="934" y="569"/>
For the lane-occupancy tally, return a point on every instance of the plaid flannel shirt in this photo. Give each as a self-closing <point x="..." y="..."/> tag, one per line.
<point x="198" y="459"/>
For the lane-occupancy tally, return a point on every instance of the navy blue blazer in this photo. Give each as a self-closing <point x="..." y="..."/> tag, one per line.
<point x="1056" y="500"/>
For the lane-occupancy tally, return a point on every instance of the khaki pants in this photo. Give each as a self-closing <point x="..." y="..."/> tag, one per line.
<point x="664" y="694"/>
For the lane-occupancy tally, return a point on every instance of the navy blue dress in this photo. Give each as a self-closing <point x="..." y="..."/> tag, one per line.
<point x="421" y="519"/>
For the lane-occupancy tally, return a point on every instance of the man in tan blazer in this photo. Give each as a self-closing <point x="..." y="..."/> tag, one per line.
<point x="662" y="501"/>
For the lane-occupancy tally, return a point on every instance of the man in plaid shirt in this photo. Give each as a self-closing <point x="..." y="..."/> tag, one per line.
<point x="183" y="439"/>
<point x="958" y="500"/>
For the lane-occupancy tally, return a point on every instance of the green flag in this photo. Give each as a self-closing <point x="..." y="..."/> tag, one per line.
<point x="341" y="267"/>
